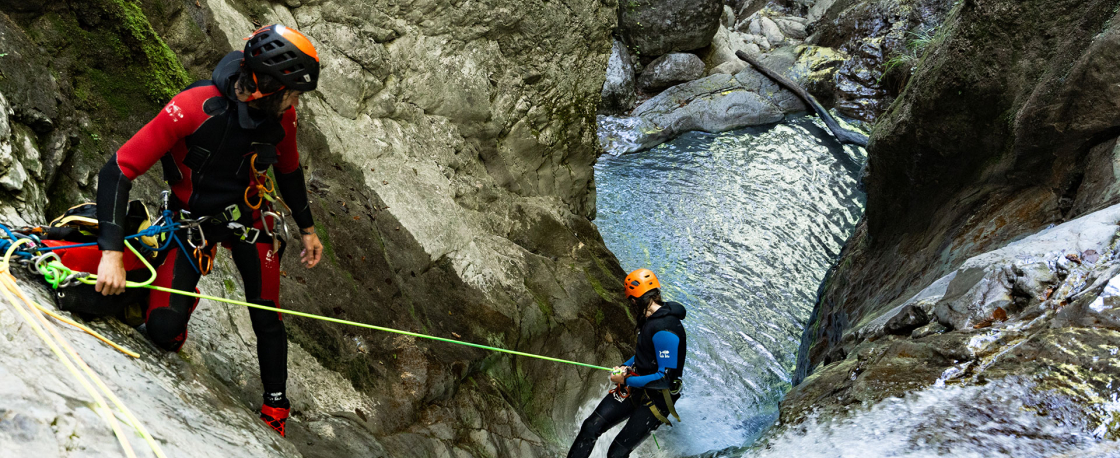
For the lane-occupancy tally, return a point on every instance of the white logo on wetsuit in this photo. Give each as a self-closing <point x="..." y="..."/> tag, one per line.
<point x="663" y="354"/>
<point x="175" y="112"/>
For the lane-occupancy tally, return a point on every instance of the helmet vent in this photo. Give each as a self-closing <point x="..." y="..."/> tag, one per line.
<point x="284" y="54"/>
<point x="281" y="58"/>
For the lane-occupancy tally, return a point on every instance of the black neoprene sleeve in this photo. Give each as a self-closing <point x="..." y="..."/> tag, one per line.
<point x="294" y="191"/>
<point x="112" y="205"/>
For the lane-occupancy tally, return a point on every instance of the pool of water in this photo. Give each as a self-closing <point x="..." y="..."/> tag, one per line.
<point x="741" y="227"/>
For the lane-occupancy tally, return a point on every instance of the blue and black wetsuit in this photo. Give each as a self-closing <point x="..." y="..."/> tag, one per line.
<point x="659" y="361"/>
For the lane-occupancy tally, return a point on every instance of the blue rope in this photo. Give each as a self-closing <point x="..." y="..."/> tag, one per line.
<point x="5" y="244"/>
<point x="185" y="252"/>
<point x="151" y="231"/>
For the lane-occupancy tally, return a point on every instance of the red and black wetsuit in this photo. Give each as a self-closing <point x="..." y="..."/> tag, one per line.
<point x="208" y="137"/>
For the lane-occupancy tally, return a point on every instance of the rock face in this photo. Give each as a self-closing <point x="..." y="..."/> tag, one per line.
<point x="656" y="27"/>
<point x="449" y="154"/>
<point x="618" y="94"/>
<point x="671" y="69"/>
<point x="878" y="35"/>
<point x="1001" y="132"/>
<point x="1042" y="313"/>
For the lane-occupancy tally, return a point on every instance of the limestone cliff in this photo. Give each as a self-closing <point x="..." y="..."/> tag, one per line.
<point x="449" y="155"/>
<point x="1009" y="124"/>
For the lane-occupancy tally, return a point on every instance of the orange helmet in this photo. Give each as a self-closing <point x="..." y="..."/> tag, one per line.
<point x="640" y="282"/>
<point x="285" y="54"/>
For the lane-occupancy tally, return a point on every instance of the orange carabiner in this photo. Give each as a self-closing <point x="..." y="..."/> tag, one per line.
<point x="260" y="198"/>
<point x="261" y="181"/>
<point x="621" y="391"/>
<point x="205" y="260"/>
<point x="266" y="179"/>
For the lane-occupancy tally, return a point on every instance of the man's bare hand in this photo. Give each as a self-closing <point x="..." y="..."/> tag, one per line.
<point x="110" y="273"/>
<point x="619" y="376"/>
<point x="312" y="250"/>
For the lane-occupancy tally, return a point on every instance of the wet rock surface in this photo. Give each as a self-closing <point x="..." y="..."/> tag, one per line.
<point x="449" y="167"/>
<point x="712" y="104"/>
<point x="1056" y="332"/>
<point x="721" y="101"/>
<point x="879" y="36"/>
<point x="991" y="207"/>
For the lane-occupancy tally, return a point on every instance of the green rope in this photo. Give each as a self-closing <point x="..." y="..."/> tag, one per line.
<point x="92" y="279"/>
<point x="54" y="273"/>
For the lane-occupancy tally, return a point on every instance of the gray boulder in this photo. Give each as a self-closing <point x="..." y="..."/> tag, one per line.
<point x="656" y="27"/>
<point x="725" y="43"/>
<point x="792" y="27"/>
<point x="727" y="68"/>
<point x="907" y="320"/>
<point x="669" y="70"/>
<point x="618" y="94"/>
<point x="717" y="103"/>
<point x="771" y="31"/>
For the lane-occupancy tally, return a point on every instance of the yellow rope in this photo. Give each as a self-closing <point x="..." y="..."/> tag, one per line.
<point x="100" y="406"/>
<point x="87" y="330"/>
<point x="11" y="287"/>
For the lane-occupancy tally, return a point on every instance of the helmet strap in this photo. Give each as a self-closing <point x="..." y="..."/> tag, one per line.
<point x="256" y="95"/>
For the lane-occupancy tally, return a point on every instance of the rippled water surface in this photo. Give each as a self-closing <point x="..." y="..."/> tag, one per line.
<point x="740" y="227"/>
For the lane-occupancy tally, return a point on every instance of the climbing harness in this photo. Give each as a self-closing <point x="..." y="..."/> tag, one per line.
<point x="621" y="392"/>
<point x="667" y="394"/>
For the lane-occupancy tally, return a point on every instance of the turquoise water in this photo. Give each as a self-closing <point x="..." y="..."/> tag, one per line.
<point x="741" y="227"/>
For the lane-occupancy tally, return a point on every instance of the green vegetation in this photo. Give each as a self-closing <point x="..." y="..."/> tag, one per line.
<point x="905" y="62"/>
<point x="325" y="238"/>
<point x="115" y="59"/>
<point x="541" y="299"/>
<point x="901" y="66"/>
<point x="163" y="76"/>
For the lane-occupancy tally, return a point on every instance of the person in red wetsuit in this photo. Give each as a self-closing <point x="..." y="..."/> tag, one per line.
<point x="210" y="138"/>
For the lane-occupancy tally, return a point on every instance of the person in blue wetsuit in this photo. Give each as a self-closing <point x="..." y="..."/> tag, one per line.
<point x="649" y="382"/>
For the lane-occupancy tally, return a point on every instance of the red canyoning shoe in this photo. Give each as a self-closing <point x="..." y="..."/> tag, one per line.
<point x="276" y="417"/>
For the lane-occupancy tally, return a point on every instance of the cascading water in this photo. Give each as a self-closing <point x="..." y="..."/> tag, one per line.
<point x="740" y="227"/>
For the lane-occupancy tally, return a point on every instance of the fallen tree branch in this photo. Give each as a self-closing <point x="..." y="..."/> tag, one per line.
<point x="842" y="135"/>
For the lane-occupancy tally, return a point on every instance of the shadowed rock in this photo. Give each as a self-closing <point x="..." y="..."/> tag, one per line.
<point x="618" y="95"/>
<point x="656" y="27"/>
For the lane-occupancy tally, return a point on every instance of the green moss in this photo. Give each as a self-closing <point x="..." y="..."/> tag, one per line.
<point x="541" y="300"/>
<point x="118" y="65"/>
<point x="163" y="74"/>
<point x="598" y="287"/>
<point x="230" y="287"/>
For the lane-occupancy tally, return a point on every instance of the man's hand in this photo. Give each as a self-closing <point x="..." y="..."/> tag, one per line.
<point x="110" y="273"/>
<point x="312" y="249"/>
<point x="619" y="374"/>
